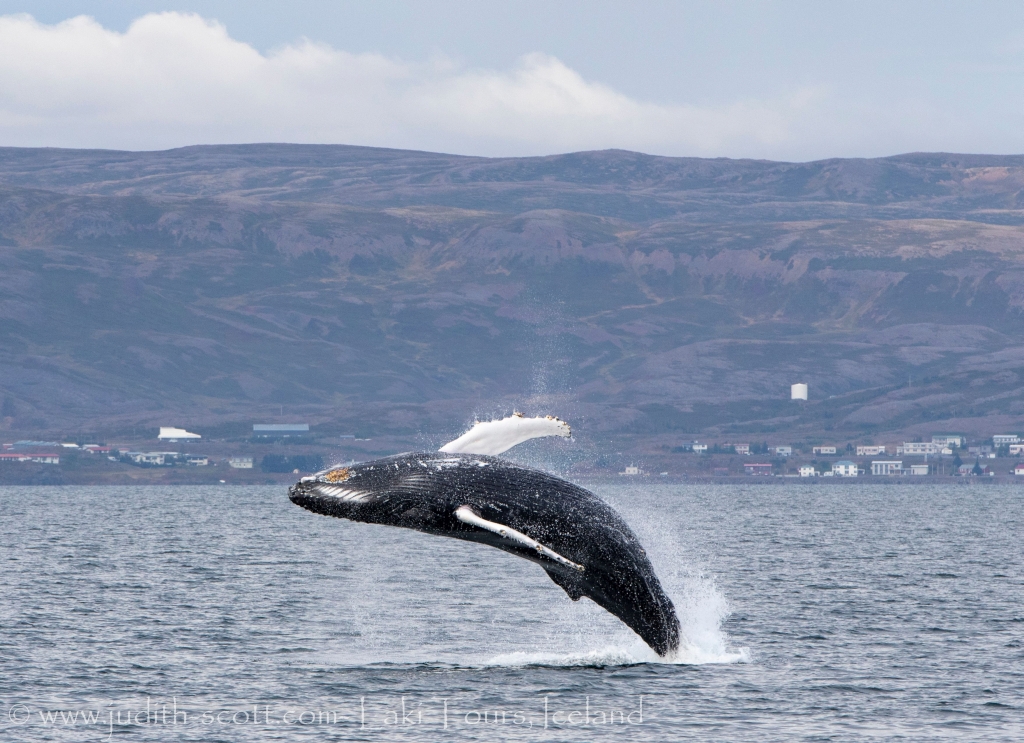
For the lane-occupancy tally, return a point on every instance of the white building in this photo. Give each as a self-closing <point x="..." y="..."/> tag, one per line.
<point x="920" y="469"/>
<point x="949" y="439"/>
<point x="1004" y="439"/>
<point x="887" y="467"/>
<point x="742" y="448"/>
<point x="699" y="448"/>
<point x="783" y="451"/>
<point x="631" y="470"/>
<point x="918" y="448"/>
<point x="30" y="457"/>
<point x="844" y="468"/>
<point x="1019" y="469"/>
<point x="176" y="434"/>
<point x="241" y="463"/>
<point x="798" y="392"/>
<point x="154" y="458"/>
<point x="1016" y="449"/>
<point x="870" y="451"/>
<point x="807" y="471"/>
<point x="823" y="450"/>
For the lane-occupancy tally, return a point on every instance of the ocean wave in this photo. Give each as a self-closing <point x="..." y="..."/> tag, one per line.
<point x="619" y="656"/>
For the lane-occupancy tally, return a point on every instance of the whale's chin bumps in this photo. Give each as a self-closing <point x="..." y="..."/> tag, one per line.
<point x="319" y="492"/>
<point x="581" y="543"/>
<point x="333" y="492"/>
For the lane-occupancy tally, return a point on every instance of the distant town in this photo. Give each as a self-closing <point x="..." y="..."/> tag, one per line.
<point x="945" y="454"/>
<point x="279" y="451"/>
<point x="189" y="452"/>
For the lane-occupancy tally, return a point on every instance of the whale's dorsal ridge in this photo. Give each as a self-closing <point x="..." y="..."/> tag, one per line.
<point x="492" y="438"/>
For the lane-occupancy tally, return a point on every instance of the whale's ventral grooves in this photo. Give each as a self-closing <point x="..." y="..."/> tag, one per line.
<point x="584" y="546"/>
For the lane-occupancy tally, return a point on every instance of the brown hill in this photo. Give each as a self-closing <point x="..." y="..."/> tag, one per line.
<point x="404" y="292"/>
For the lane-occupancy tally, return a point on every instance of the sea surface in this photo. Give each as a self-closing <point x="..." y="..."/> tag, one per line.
<point x="810" y="612"/>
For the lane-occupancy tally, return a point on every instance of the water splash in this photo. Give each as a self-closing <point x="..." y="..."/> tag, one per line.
<point x="702" y="609"/>
<point x="614" y="655"/>
<point x="587" y="635"/>
<point x="700" y="605"/>
<point x="607" y="656"/>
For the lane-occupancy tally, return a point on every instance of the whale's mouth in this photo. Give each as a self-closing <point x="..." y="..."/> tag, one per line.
<point x="321" y="496"/>
<point x="339" y="492"/>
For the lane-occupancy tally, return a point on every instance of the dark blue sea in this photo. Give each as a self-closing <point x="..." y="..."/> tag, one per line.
<point x="811" y="613"/>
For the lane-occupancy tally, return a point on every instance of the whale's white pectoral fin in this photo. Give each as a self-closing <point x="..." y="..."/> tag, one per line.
<point x="494" y="437"/>
<point x="466" y="515"/>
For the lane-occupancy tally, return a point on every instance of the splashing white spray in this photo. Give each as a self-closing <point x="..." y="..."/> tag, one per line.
<point x="700" y="606"/>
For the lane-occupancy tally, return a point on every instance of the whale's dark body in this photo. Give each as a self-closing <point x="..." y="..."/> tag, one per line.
<point x="601" y="557"/>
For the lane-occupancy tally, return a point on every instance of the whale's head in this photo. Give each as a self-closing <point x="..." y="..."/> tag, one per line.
<point x="376" y="492"/>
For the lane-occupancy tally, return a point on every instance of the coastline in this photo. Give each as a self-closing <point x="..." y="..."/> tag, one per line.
<point x="55" y="475"/>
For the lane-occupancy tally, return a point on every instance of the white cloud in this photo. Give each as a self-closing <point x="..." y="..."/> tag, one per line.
<point x="174" y="79"/>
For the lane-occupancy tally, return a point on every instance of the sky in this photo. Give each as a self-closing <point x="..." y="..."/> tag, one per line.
<point x="775" y="80"/>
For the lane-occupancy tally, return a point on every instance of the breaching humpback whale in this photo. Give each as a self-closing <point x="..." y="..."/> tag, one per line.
<point x="464" y="491"/>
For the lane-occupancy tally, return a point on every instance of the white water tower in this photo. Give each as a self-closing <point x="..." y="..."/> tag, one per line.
<point x="798" y="392"/>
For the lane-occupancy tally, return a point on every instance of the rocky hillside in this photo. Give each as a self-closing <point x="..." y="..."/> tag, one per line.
<point x="400" y="293"/>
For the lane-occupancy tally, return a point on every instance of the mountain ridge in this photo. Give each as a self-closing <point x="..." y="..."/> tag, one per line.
<point x="215" y="285"/>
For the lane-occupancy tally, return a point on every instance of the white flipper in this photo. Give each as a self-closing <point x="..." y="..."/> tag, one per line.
<point x="466" y="515"/>
<point x="494" y="437"/>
